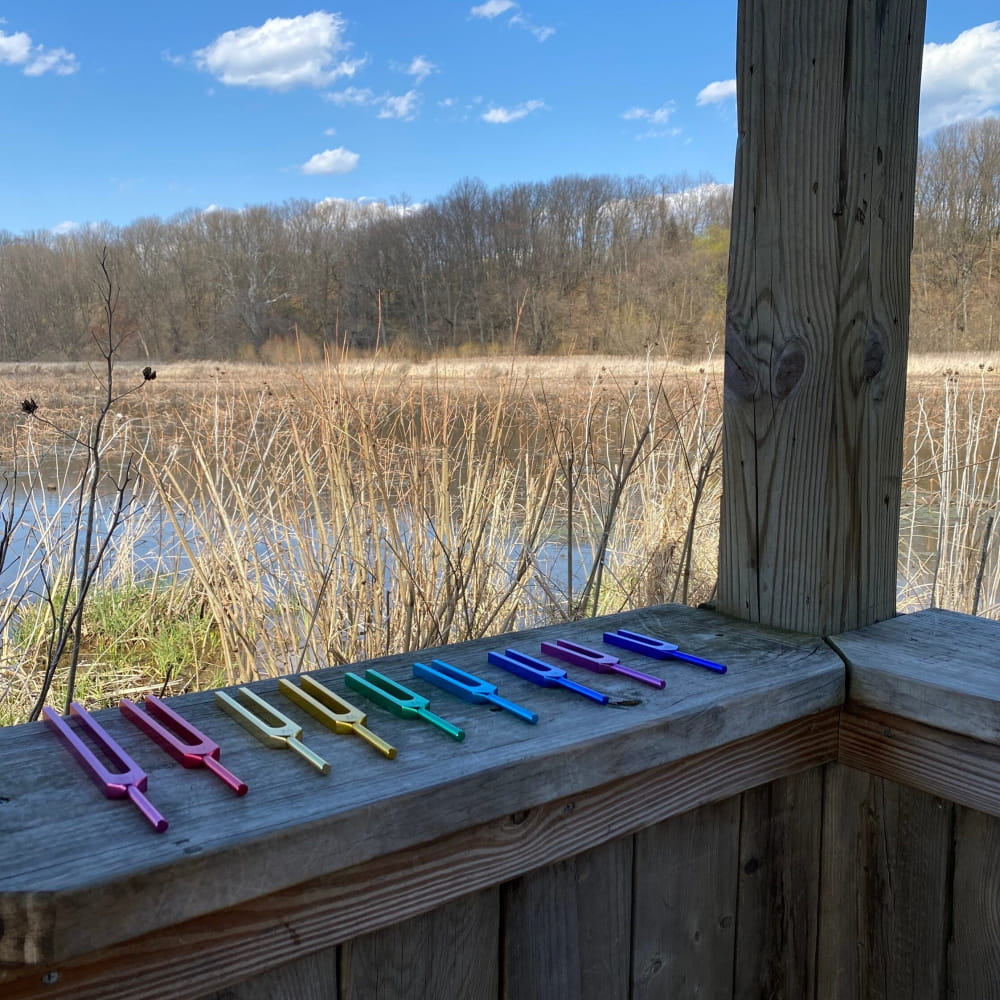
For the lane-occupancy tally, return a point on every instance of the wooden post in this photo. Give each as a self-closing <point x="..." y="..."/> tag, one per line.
<point x="818" y="310"/>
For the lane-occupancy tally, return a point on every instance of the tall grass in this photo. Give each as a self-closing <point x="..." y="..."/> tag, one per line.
<point x="949" y="552"/>
<point x="335" y="515"/>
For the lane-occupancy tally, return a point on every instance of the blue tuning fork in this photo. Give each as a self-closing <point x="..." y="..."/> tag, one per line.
<point x="541" y="673"/>
<point x="468" y="687"/>
<point x="657" y="648"/>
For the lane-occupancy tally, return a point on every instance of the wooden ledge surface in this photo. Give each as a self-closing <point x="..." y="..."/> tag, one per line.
<point x="79" y="872"/>
<point x="937" y="667"/>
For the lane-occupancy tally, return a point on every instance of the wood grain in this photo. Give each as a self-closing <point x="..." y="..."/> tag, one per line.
<point x="684" y="930"/>
<point x="567" y="927"/>
<point x="818" y="310"/>
<point x="79" y="872"/>
<point x="974" y="948"/>
<point x="777" y="918"/>
<point x="937" y="667"/>
<point x="447" y="953"/>
<point x="241" y="941"/>
<point x="886" y="892"/>
<point x="933" y="760"/>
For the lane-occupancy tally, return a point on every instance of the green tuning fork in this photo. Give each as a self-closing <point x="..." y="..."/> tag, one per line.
<point x="399" y="700"/>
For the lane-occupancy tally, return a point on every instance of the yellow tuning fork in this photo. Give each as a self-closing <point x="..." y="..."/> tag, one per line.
<point x="333" y="711"/>
<point x="268" y="724"/>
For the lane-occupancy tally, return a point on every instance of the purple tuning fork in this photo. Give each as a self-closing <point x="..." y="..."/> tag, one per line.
<point x="594" y="659"/>
<point x="128" y="783"/>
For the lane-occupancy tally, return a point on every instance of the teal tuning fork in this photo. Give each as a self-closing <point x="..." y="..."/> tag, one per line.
<point x="468" y="687"/>
<point x="399" y="700"/>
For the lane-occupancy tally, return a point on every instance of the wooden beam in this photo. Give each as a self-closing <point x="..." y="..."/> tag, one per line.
<point x="240" y="942"/>
<point x="818" y="310"/>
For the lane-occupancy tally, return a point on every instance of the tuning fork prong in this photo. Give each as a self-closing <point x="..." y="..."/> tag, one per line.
<point x="268" y="724"/>
<point x="333" y="711"/>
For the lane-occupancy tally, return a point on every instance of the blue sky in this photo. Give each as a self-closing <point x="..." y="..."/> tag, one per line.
<point x="134" y="108"/>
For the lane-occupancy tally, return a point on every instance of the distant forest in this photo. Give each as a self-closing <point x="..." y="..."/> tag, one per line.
<point x="577" y="264"/>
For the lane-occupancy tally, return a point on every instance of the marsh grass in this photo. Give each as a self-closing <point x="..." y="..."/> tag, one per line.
<point x="289" y="518"/>
<point x="949" y="556"/>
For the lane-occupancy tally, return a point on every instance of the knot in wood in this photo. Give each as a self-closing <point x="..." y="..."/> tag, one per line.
<point x="789" y="367"/>
<point x="741" y="381"/>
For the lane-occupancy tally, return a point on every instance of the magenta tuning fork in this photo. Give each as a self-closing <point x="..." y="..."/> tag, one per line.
<point x="129" y="782"/>
<point x="184" y="742"/>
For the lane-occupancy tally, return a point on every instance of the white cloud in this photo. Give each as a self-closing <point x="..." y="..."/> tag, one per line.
<point x="421" y="68"/>
<point x="492" y="8"/>
<point x="63" y="228"/>
<point x="403" y="107"/>
<point x="717" y="92"/>
<point x="503" y="116"/>
<point x="658" y="117"/>
<point x="281" y="53"/>
<point x="539" y="31"/>
<point x="360" y="97"/>
<point x="961" y="79"/>
<point x="331" y="161"/>
<point x="19" y="50"/>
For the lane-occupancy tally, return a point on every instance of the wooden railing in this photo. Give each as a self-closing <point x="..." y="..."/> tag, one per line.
<point x="817" y="822"/>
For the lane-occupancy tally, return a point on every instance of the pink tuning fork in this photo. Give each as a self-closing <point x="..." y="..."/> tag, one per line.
<point x="594" y="659"/>
<point x="128" y="783"/>
<point x="188" y="745"/>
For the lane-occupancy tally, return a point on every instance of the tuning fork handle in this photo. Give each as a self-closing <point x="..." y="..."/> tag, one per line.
<point x="156" y="819"/>
<point x="598" y="696"/>
<point x="294" y="743"/>
<point x="519" y="710"/>
<point x="239" y="786"/>
<point x="443" y="724"/>
<point x="374" y="740"/>
<point x="719" y="668"/>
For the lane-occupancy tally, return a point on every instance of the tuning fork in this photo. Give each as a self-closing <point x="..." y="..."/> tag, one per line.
<point x="468" y="687"/>
<point x="542" y="673"/>
<point x="657" y="648"/>
<point x="399" y="700"/>
<point x="186" y="744"/>
<point x="594" y="659"/>
<point x="127" y="783"/>
<point x="333" y="711"/>
<point x="268" y="724"/>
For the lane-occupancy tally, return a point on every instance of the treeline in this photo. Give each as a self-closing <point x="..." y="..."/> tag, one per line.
<point x="956" y="248"/>
<point x="574" y="264"/>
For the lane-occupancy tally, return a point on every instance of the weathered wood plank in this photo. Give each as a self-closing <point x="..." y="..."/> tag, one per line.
<point x="818" y="310"/>
<point x="447" y="953"/>
<point x="974" y="949"/>
<point x="567" y="927"/>
<point x="778" y="915"/>
<point x="90" y="872"/>
<point x="258" y="934"/>
<point x="886" y="891"/>
<point x="313" y="977"/>
<point x="941" y="763"/>
<point x="684" y="929"/>
<point x="937" y="667"/>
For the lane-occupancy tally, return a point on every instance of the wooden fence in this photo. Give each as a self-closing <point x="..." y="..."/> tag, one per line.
<point x="820" y="821"/>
